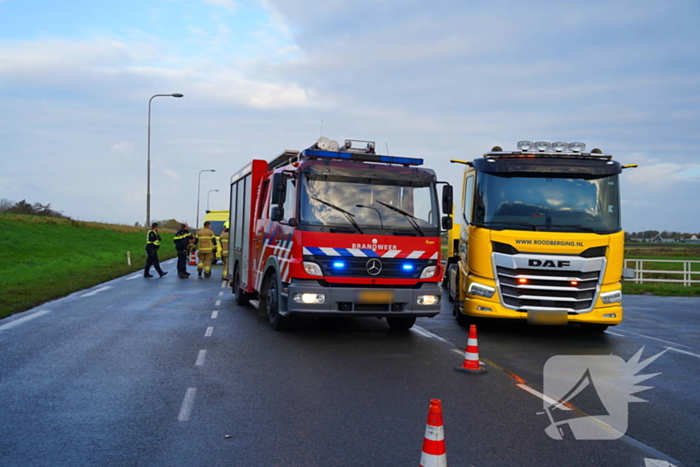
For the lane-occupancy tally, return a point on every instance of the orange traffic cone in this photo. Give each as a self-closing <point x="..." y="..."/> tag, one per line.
<point x="193" y="258"/>
<point x="471" y="362"/>
<point x="433" y="454"/>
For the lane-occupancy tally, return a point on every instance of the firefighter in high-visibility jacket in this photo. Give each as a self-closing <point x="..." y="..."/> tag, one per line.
<point x="206" y="247"/>
<point x="224" y="251"/>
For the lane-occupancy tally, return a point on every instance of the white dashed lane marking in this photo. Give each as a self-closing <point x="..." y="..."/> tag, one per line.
<point x="187" y="404"/>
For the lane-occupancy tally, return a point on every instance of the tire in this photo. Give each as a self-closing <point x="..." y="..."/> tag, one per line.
<point x="241" y="297"/>
<point x="593" y="327"/>
<point x="462" y="319"/>
<point x="272" y="304"/>
<point x="402" y="323"/>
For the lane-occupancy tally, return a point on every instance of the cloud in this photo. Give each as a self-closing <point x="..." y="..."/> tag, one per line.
<point x="226" y="4"/>
<point x="124" y="148"/>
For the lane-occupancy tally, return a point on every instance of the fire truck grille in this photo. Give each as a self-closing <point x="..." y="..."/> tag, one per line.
<point x="524" y="289"/>
<point x="395" y="268"/>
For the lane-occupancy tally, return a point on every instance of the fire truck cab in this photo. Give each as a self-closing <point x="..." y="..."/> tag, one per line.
<point x="338" y="231"/>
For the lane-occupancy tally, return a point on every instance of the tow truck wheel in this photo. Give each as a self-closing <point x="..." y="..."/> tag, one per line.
<point x="462" y="319"/>
<point x="401" y="323"/>
<point x="272" y="304"/>
<point x="241" y="298"/>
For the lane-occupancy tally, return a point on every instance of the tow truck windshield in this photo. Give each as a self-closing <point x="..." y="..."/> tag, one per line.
<point x="367" y="205"/>
<point x="556" y="204"/>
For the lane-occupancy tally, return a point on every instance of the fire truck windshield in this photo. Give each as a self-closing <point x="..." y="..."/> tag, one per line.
<point x="557" y="204"/>
<point x="368" y="205"/>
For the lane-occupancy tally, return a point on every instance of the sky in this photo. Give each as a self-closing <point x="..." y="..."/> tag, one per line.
<point x="439" y="80"/>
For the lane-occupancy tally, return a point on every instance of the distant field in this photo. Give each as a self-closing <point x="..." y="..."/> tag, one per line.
<point x="668" y="251"/>
<point x="45" y="258"/>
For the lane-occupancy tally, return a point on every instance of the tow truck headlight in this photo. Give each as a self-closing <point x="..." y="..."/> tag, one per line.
<point x="428" y="272"/>
<point x="525" y="145"/>
<point x="481" y="290"/>
<point x="560" y="146"/>
<point x="543" y="146"/>
<point x="428" y="300"/>
<point x="312" y="268"/>
<point x="611" y="297"/>
<point x="577" y="147"/>
<point x="309" y="298"/>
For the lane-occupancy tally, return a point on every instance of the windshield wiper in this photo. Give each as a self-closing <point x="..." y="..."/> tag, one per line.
<point x="575" y="226"/>
<point x="410" y="217"/>
<point x="526" y="224"/>
<point x="349" y="215"/>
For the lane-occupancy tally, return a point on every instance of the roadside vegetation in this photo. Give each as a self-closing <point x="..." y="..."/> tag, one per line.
<point x="663" y="251"/>
<point x="44" y="258"/>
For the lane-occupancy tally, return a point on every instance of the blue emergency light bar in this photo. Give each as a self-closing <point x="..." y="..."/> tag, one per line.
<point x="317" y="153"/>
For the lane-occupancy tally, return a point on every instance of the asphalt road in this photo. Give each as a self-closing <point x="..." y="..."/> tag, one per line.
<point x="170" y="372"/>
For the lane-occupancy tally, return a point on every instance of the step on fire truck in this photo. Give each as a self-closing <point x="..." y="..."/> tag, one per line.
<point x="540" y="237"/>
<point x="338" y="231"/>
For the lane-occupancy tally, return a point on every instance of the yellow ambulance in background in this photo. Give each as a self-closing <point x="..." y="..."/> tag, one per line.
<point x="217" y="219"/>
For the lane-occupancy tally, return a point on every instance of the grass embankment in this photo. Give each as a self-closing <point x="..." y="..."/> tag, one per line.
<point x="663" y="251"/>
<point x="45" y="258"/>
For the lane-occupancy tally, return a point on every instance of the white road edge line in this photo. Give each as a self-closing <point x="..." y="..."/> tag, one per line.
<point x="547" y="399"/>
<point x="209" y="332"/>
<point x="657" y="339"/>
<point x="428" y="334"/>
<point x="133" y="277"/>
<point x="214" y="314"/>
<point x="201" y="357"/>
<point x="615" y="334"/>
<point x="683" y="351"/>
<point x="24" y="319"/>
<point x="96" y="291"/>
<point x="187" y="404"/>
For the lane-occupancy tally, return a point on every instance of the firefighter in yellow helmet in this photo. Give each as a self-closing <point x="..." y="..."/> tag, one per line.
<point x="206" y="247"/>
<point x="224" y="250"/>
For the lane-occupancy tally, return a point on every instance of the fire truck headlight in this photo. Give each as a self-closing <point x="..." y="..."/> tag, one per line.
<point x="309" y="298"/>
<point x="428" y="272"/>
<point x="481" y="290"/>
<point x="611" y="297"/>
<point x="312" y="268"/>
<point x="428" y="300"/>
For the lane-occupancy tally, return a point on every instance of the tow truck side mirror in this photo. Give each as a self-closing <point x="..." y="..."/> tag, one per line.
<point x="279" y="188"/>
<point x="447" y="199"/>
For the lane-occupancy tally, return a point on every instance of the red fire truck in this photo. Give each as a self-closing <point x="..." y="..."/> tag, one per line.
<point x="337" y="231"/>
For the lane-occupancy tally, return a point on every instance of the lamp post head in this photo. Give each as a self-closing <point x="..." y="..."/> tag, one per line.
<point x="177" y="94"/>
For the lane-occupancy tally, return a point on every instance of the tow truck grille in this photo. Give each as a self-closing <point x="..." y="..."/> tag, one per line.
<point x="574" y="289"/>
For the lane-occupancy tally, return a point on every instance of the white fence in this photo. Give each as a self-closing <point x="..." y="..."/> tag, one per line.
<point x="644" y="271"/>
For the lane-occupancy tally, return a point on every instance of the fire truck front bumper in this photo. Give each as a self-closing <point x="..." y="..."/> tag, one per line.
<point x="308" y="297"/>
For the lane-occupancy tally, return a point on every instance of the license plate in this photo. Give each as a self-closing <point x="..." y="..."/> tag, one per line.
<point x="374" y="296"/>
<point x="547" y="317"/>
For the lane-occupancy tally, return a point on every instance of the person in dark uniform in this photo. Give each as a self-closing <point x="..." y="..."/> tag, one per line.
<point x="183" y="239"/>
<point x="152" y="245"/>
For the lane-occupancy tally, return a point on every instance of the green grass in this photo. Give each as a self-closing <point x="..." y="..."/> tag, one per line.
<point x="45" y="258"/>
<point x="663" y="251"/>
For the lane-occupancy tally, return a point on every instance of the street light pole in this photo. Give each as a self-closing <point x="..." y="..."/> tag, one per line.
<point x="208" y="198"/>
<point x="148" y="164"/>
<point x="199" y="183"/>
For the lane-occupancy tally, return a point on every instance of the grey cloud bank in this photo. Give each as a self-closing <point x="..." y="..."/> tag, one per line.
<point x="439" y="81"/>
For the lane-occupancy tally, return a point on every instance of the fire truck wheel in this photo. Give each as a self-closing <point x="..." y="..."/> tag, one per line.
<point x="241" y="298"/>
<point x="401" y="323"/>
<point x="272" y="304"/>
